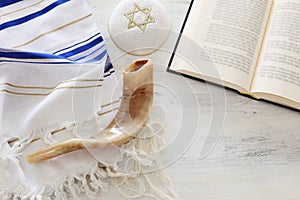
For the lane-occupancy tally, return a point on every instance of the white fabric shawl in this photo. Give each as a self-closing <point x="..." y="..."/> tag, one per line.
<point x="57" y="82"/>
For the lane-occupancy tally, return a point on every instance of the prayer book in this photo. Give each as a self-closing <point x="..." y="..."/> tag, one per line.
<point x="251" y="46"/>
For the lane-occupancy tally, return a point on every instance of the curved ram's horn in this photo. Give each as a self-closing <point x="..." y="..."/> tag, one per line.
<point x="128" y="122"/>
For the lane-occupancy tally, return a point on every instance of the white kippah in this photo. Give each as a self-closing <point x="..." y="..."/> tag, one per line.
<point x="139" y="27"/>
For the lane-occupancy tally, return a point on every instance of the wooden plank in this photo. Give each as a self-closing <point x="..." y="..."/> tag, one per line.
<point x="258" y="154"/>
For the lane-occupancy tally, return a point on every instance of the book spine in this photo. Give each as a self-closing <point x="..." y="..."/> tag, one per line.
<point x="249" y="94"/>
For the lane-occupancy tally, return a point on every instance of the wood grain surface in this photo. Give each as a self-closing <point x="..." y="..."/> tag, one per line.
<point x="257" y="153"/>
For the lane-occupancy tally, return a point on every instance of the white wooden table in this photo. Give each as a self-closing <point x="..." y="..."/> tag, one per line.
<point x="257" y="155"/>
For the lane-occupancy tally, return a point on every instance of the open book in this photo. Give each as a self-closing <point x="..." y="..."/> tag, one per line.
<point x="254" y="46"/>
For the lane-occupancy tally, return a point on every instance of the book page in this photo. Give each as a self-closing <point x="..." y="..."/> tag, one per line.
<point x="278" y="72"/>
<point x="230" y="33"/>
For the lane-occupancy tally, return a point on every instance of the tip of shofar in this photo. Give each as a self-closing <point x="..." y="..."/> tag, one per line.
<point x="34" y="158"/>
<point x="55" y="150"/>
<point x="133" y="112"/>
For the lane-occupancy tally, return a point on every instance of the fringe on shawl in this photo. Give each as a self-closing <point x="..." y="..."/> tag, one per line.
<point x="139" y="179"/>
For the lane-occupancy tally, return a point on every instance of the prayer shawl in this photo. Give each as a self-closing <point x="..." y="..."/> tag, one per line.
<point x="56" y="83"/>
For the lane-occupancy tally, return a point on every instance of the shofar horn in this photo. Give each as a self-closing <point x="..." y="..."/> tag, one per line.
<point x="128" y="122"/>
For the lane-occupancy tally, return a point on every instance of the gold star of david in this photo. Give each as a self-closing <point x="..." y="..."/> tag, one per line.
<point x="141" y="25"/>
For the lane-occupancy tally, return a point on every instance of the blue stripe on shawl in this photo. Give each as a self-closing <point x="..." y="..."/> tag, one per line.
<point x="98" y="58"/>
<point x="4" y="3"/>
<point x="31" y="16"/>
<point x="82" y="48"/>
<point x="109" y="67"/>
<point x="108" y="64"/>
<point x="33" y="62"/>
<point x="81" y="58"/>
<point x="110" y="73"/>
<point x="76" y="44"/>
<point x="28" y="55"/>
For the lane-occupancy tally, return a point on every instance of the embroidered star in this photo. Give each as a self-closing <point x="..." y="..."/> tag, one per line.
<point x="139" y="12"/>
